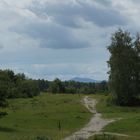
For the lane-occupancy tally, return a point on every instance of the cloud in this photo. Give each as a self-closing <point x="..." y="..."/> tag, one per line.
<point x="1" y="46"/>
<point x="68" y="13"/>
<point x="56" y="24"/>
<point x="52" y="35"/>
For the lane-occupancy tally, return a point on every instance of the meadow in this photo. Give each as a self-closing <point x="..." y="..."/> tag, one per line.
<point x="48" y="115"/>
<point x="128" y="123"/>
<point x="56" y="116"/>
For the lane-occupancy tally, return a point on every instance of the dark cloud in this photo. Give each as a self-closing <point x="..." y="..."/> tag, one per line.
<point x="59" y="33"/>
<point x="67" y="14"/>
<point x="105" y="3"/>
<point x="52" y="35"/>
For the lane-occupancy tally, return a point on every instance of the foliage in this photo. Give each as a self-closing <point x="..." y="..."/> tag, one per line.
<point x="29" y="88"/>
<point x="16" y="86"/>
<point x="58" y="86"/>
<point x="19" y="86"/>
<point x="43" y="85"/>
<point x="124" y="63"/>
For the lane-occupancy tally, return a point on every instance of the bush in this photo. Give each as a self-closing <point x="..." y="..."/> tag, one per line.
<point x="29" y="88"/>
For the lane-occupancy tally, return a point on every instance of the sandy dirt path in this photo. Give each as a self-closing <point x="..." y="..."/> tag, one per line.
<point x="95" y="125"/>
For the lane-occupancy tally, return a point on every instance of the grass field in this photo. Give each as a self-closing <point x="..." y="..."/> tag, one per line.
<point x="43" y="116"/>
<point x="128" y="124"/>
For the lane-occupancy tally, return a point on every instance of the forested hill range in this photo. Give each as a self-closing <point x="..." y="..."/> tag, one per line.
<point x="19" y="86"/>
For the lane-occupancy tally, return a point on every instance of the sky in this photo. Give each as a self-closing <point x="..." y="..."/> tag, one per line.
<point x="62" y="38"/>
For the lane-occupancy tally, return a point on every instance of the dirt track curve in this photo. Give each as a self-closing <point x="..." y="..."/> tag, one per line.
<point x="95" y="125"/>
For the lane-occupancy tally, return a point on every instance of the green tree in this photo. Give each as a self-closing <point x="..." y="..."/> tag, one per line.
<point x="43" y="84"/>
<point x="28" y="88"/>
<point x="3" y="95"/>
<point x="137" y="65"/>
<point x="57" y="86"/>
<point x="121" y="63"/>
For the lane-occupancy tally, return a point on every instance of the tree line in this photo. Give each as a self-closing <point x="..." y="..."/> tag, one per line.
<point x="72" y="87"/>
<point x="124" y="63"/>
<point x="19" y="86"/>
<point x="16" y="86"/>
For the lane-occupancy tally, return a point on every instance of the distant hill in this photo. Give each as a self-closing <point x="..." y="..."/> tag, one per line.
<point x="84" y="80"/>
